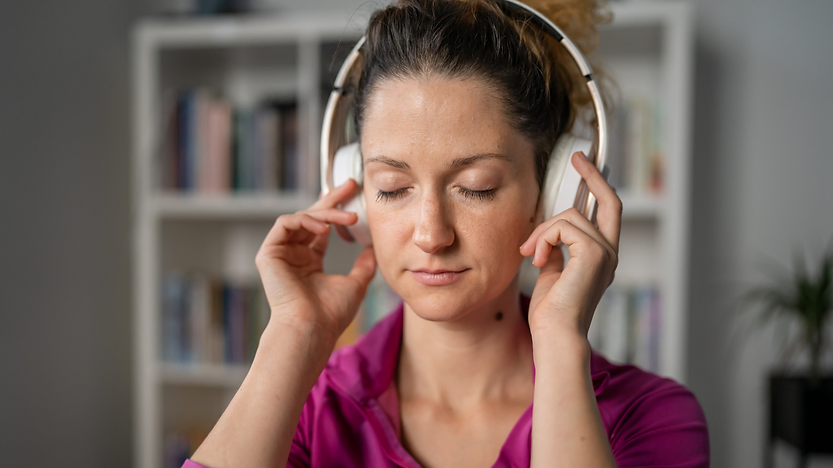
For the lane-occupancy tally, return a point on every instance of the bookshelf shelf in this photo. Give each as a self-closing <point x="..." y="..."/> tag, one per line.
<point x="270" y="206"/>
<point x="245" y="30"/>
<point x="637" y="206"/>
<point x="248" y="60"/>
<point x="209" y="375"/>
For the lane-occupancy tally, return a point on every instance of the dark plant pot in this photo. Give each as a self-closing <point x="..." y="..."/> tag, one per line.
<point x="801" y="412"/>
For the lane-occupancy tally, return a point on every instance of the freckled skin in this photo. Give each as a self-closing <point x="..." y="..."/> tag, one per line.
<point x="427" y="123"/>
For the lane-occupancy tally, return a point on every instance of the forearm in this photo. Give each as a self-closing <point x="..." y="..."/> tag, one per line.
<point x="567" y="429"/>
<point x="257" y="428"/>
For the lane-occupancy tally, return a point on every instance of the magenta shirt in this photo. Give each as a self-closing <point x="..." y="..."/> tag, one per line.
<point x="351" y="417"/>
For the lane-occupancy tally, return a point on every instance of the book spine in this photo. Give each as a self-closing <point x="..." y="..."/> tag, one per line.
<point x="289" y="138"/>
<point x="211" y="320"/>
<point x="214" y="147"/>
<point x="627" y="325"/>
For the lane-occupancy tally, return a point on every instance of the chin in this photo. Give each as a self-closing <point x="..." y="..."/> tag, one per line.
<point x="435" y="310"/>
<point x="450" y="304"/>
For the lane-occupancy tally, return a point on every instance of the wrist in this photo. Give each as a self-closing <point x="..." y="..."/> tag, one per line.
<point x="561" y="347"/>
<point x="316" y="336"/>
<point x="307" y="345"/>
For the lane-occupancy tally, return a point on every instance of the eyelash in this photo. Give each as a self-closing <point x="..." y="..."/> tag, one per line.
<point x="480" y="195"/>
<point x="390" y="196"/>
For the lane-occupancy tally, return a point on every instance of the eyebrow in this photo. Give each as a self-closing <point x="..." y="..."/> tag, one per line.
<point x="459" y="162"/>
<point x="390" y="162"/>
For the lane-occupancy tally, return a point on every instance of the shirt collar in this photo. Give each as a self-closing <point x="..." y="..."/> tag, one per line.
<point x="365" y="371"/>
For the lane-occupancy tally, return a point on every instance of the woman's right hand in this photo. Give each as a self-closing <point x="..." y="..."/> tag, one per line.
<point x="310" y="310"/>
<point x="290" y="262"/>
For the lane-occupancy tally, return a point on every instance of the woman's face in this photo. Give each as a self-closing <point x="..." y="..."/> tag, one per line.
<point x="451" y="193"/>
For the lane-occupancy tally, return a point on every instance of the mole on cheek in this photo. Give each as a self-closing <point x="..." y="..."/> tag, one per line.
<point x="532" y="219"/>
<point x="499" y="316"/>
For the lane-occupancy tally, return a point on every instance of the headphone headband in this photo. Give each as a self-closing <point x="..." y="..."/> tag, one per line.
<point x="333" y="138"/>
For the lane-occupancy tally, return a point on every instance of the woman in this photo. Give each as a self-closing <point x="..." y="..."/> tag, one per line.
<point x="458" y="107"/>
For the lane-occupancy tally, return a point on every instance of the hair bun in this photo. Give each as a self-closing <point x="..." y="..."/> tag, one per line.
<point x="577" y="18"/>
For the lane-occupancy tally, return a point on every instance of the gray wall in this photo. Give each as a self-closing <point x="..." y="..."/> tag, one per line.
<point x="762" y="185"/>
<point x="65" y="342"/>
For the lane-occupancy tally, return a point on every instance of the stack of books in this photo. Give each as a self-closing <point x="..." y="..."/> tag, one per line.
<point x="636" y="153"/>
<point x="626" y="326"/>
<point x="211" y="146"/>
<point x="210" y="320"/>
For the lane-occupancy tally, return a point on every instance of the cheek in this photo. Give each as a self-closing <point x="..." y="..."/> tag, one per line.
<point x="497" y="233"/>
<point x="389" y="230"/>
<point x="510" y="216"/>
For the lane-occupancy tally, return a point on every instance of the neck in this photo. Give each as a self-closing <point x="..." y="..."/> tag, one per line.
<point x="486" y="354"/>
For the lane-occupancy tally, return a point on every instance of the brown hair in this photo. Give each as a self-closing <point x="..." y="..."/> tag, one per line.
<point x="541" y="87"/>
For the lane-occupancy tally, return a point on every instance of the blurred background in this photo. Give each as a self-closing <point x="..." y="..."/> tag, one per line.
<point x="760" y="185"/>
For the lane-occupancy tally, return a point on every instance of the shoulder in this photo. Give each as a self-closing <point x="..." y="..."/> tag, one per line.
<point x="650" y="420"/>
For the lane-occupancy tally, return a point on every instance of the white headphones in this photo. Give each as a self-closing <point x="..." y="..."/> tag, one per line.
<point x="563" y="186"/>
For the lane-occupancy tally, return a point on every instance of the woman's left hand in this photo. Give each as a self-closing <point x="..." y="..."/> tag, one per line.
<point x="564" y="299"/>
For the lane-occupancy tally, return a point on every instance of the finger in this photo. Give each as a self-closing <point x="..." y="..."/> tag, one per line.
<point x="528" y="247"/>
<point x="575" y="218"/>
<point x="578" y="220"/>
<point x="364" y="268"/>
<point x="609" y="214"/>
<point x="336" y="196"/>
<point x="555" y="261"/>
<point x="296" y="255"/>
<point x="563" y="231"/>
<point x="287" y="227"/>
<point x="332" y="216"/>
<point x="319" y="244"/>
<point x="299" y="226"/>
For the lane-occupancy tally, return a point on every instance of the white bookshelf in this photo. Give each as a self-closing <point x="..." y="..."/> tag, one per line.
<point x="648" y="48"/>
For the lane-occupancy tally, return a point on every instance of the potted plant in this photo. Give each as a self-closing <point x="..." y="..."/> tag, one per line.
<point x="800" y="403"/>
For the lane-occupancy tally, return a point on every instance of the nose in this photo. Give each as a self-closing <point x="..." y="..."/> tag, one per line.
<point x="433" y="231"/>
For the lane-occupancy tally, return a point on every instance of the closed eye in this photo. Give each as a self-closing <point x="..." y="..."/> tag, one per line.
<point x="480" y="195"/>
<point x="384" y="197"/>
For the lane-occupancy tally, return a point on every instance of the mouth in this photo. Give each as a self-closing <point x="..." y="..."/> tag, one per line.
<point x="437" y="277"/>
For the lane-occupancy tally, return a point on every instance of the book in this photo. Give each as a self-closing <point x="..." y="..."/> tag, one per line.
<point x="626" y="326"/>
<point x="636" y="153"/>
<point x="211" y="320"/>
<point x="212" y="146"/>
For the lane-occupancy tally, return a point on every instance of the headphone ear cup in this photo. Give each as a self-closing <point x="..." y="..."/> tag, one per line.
<point x="562" y="180"/>
<point x="347" y="164"/>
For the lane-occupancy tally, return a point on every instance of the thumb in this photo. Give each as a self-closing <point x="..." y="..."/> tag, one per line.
<point x="547" y="277"/>
<point x="364" y="268"/>
<point x="551" y="271"/>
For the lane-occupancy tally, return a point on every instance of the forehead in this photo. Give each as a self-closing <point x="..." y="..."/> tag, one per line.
<point x="445" y="118"/>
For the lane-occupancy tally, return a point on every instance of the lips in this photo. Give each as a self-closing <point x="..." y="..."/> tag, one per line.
<point x="437" y="277"/>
